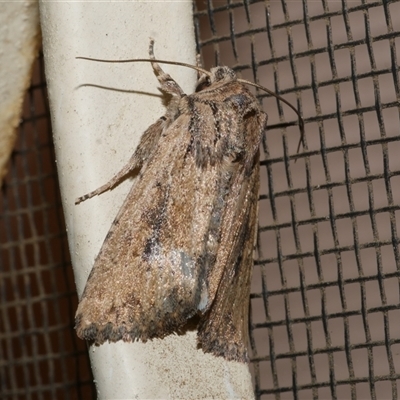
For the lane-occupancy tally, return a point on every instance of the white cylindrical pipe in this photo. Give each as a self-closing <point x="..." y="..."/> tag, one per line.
<point x="95" y="132"/>
<point x="19" y="46"/>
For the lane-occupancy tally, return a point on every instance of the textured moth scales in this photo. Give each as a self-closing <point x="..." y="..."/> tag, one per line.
<point x="182" y="242"/>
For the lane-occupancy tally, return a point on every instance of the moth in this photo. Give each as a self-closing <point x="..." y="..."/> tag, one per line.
<point x="182" y="243"/>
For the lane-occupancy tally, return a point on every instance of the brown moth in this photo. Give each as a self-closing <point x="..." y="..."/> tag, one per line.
<point x="182" y="242"/>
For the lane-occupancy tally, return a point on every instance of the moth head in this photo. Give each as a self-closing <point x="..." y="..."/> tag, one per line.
<point x="222" y="74"/>
<point x="217" y="74"/>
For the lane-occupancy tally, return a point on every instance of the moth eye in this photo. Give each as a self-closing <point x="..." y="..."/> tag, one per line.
<point x="203" y="83"/>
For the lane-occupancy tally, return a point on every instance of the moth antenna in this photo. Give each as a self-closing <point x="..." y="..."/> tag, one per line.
<point x="280" y="98"/>
<point x="181" y="64"/>
<point x="207" y="73"/>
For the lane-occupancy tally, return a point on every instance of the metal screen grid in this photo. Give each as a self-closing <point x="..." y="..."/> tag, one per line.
<point x="40" y="356"/>
<point x="325" y="294"/>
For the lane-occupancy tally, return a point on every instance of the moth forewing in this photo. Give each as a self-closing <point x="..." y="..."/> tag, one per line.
<point x="182" y="243"/>
<point x="224" y="329"/>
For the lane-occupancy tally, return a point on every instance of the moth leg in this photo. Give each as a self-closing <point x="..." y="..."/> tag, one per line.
<point x="109" y="185"/>
<point x="168" y="85"/>
<point x="145" y="148"/>
<point x="199" y="64"/>
<point x="203" y="80"/>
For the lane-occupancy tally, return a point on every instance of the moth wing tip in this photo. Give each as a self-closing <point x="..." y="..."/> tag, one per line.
<point x="227" y="349"/>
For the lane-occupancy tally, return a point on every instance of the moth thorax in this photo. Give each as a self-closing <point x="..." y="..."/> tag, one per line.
<point x="221" y="74"/>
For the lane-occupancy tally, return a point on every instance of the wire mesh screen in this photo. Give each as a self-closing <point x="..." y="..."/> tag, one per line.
<point x="40" y="355"/>
<point x="325" y="291"/>
<point x="325" y="294"/>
